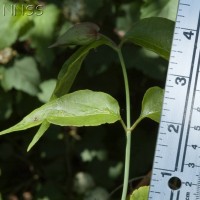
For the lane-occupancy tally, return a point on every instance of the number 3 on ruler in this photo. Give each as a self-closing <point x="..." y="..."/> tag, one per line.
<point x="180" y="80"/>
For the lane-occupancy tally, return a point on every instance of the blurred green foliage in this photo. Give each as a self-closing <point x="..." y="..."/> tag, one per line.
<point x="71" y="163"/>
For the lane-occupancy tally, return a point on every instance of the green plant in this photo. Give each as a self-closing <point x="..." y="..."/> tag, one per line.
<point x="140" y="194"/>
<point x="90" y="108"/>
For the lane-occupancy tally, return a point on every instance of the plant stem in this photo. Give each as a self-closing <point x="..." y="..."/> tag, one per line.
<point x="123" y="125"/>
<point x="131" y="180"/>
<point x="136" y="123"/>
<point x="128" y="125"/>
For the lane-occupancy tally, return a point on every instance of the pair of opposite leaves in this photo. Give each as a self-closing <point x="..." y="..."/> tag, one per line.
<point x="85" y="108"/>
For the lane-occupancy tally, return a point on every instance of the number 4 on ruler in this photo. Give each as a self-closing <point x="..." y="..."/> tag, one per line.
<point x="188" y="35"/>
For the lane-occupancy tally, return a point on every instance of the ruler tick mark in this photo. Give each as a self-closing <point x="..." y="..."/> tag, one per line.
<point x="171" y="86"/>
<point x="184" y="4"/>
<point x="189" y="29"/>
<point x="174" y="63"/>
<point x="171" y="196"/>
<point x="169" y="122"/>
<point x="159" y="157"/>
<point x="163" y="145"/>
<point x="166" y="109"/>
<point x="178" y="193"/>
<point x="179" y="75"/>
<point x="172" y="98"/>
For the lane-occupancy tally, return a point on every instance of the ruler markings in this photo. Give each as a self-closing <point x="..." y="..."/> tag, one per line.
<point x="179" y="75"/>
<point x="188" y="29"/>
<point x="166" y="109"/>
<point x="172" y="98"/>
<point x="162" y="169"/>
<point x="171" y="196"/>
<point x="192" y="127"/>
<point x="178" y="194"/>
<point x="154" y="179"/>
<point x="163" y="133"/>
<point x="191" y="164"/>
<point x="163" y="145"/>
<point x="193" y="94"/>
<point x="173" y="149"/>
<point x="171" y="122"/>
<point x="193" y="147"/>
<point x="176" y="51"/>
<point x="184" y="4"/>
<point x="187" y="94"/>
<point x="187" y="183"/>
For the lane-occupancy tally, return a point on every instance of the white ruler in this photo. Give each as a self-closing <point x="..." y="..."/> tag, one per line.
<point x="176" y="170"/>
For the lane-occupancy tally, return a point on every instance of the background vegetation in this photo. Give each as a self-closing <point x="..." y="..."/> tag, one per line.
<point x="71" y="163"/>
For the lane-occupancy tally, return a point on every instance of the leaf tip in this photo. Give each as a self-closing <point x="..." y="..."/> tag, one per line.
<point x="29" y="147"/>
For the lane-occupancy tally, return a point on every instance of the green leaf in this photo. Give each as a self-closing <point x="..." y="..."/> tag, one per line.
<point x="25" y="74"/>
<point x="65" y="80"/>
<point x="160" y="8"/>
<point x="140" y="194"/>
<point x="47" y="88"/>
<point x="41" y="34"/>
<point x="10" y="24"/>
<point x="68" y="74"/>
<point x="153" y="33"/>
<point x="72" y="66"/>
<point x="44" y="126"/>
<point x="81" y="108"/>
<point x="152" y="104"/>
<point x="148" y="62"/>
<point x="79" y="34"/>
